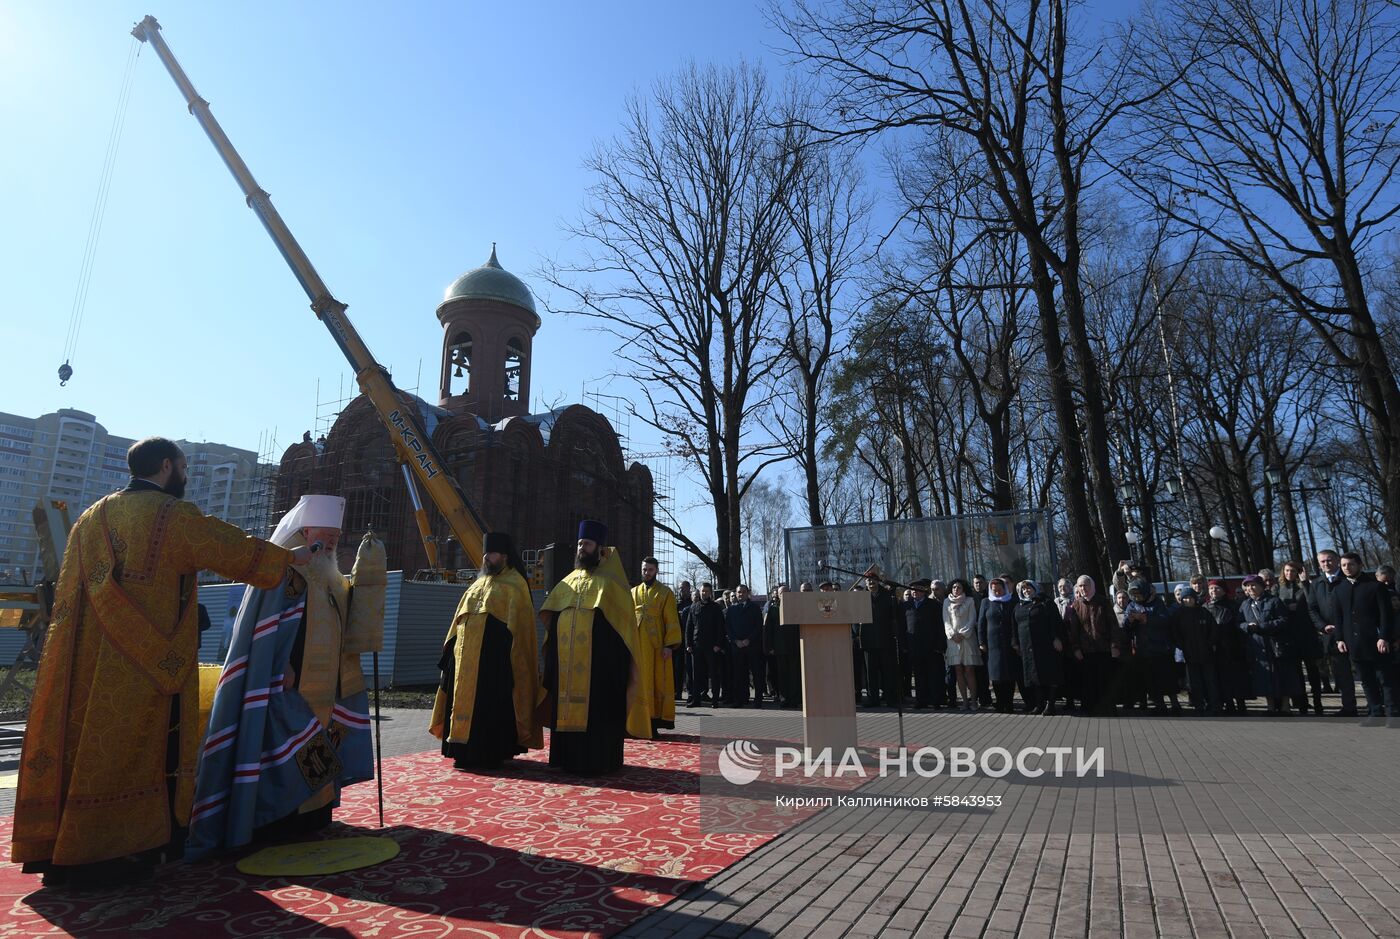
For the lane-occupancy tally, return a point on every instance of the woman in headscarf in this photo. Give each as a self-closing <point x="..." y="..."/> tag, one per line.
<point x="996" y="633"/>
<point x="960" y="626"/>
<point x="1040" y="637"/>
<point x="1096" y="640"/>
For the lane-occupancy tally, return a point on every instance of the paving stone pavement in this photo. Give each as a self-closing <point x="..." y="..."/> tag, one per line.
<point x="1209" y="827"/>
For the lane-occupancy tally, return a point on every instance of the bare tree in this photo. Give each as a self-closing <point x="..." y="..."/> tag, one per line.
<point x="968" y="272"/>
<point x="1278" y="144"/>
<point x="685" y="227"/>
<point x="1255" y="400"/>
<point x="827" y="210"/>
<point x="1007" y="75"/>
<point x="765" y="509"/>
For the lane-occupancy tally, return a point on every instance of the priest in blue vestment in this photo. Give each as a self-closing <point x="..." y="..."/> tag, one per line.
<point x="290" y="723"/>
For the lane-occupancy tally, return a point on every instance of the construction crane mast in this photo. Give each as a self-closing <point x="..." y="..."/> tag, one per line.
<point x="412" y="445"/>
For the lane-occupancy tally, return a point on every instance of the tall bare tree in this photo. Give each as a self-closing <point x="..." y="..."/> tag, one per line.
<point x="1010" y="76"/>
<point x="967" y="271"/>
<point x="766" y="514"/>
<point x="827" y="211"/>
<point x="685" y="227"/>
<point x="1278" y="143"/>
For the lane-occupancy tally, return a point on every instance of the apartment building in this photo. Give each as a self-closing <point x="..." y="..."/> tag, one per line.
<point x="68" y="455"/>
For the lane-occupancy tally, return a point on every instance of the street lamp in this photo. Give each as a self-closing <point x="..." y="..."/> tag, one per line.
<point x="1128" y="496"/>
<point x="1323" y="471"/>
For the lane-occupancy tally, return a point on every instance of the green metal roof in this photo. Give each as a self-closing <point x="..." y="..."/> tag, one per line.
<point x="491" y="282"/>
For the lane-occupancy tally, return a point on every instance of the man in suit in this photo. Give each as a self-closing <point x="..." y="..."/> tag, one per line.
<point x="705" y="633"/>
<point x="1327" y="617"/>
<point x="743" y="626"/>
<point x="1367" y="627"/>
<point x="787" y="653"/>
<point x="878" y="641"/>
<point x="682" y="663"/>
<point x="926" y="640"/>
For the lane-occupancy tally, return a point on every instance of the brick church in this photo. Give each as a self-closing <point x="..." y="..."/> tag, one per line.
<point x="532" y="475"/>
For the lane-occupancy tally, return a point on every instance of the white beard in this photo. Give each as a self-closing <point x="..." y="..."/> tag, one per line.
<point x="322" y="570"/>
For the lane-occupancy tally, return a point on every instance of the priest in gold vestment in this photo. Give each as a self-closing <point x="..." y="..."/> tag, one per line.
<point x="659" y="628"/>
<point x="596" y="692"/>
<point x="485" y="708"/>
<point x="106" y="777"/>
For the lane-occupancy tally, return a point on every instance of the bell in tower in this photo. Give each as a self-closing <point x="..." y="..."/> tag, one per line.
<point x="489" y="322"/>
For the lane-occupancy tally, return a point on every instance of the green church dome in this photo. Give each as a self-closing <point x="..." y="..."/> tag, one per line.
<point x="491" y="282"/>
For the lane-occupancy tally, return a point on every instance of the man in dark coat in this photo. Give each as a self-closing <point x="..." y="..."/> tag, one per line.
<point x="681" y="661"/>
<point x="877" y="641"/>
<point x="743" y="625"/>
<point x="1096" y="640"/>
<point x="926" y="640"/>
<point x="707" y="641"/>
<point x="857" y="655"/>
<point x="979" y="596"/>
<point x="1326" y="612"/>
<point x="787" y="653"/>
<point x="1367" y="629"/>
<point x="1040" y="640"/>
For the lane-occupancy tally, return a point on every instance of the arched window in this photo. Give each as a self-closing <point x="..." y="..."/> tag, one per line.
<point x="515" y="357"/>
<point x="459" y="359"/>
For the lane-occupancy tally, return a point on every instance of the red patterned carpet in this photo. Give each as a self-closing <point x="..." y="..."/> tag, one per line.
<point x="524" y="852"/>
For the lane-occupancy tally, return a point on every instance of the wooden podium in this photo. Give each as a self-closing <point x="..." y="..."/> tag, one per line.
<point x="828" y="679"/>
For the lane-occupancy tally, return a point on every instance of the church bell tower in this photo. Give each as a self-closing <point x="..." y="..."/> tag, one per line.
<point x="489" y="322"/>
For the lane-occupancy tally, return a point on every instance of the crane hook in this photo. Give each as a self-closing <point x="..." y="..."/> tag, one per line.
<point x="65" y="372"/>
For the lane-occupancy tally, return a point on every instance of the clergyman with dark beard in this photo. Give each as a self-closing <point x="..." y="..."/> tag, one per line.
<point x="595" y="692"/>
<point x="116" y="699"/>
<point x="485" y="708"/>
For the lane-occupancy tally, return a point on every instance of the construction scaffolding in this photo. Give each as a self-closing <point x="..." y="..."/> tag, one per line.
<point x="618" y="410"/>
<point x="263" y="495"/>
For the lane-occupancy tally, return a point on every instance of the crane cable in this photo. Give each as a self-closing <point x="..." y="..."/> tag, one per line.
<point x="99" y="212"/>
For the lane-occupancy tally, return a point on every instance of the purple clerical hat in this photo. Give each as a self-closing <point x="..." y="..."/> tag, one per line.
<point x="497" y="541"/>
<point x="592" y="531"/>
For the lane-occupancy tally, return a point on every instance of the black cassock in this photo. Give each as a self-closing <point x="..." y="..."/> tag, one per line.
<point x="493" y="736"/>
<point x="598" y="749"/>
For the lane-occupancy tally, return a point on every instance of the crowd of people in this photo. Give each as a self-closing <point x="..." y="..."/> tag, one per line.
<point x="1264" y="643"/>
<point x="119" y="771"/>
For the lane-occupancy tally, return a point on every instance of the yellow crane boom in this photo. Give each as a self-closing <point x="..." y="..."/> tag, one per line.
<point x="415" y="450"/>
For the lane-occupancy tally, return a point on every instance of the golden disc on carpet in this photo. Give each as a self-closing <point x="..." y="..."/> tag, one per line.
<point x="319" y="857"/>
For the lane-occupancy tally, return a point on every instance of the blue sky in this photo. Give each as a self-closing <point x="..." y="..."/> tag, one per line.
<point x="398" y="146"/>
